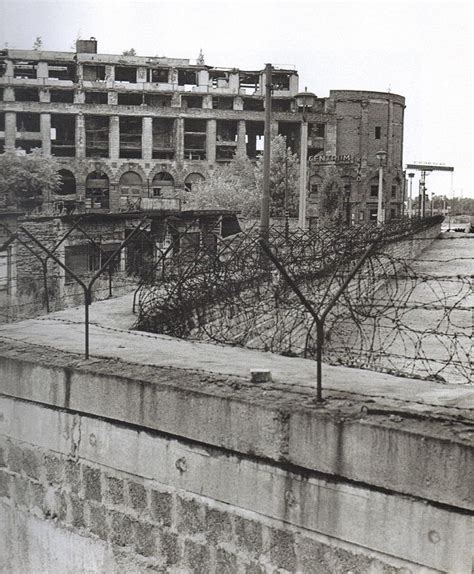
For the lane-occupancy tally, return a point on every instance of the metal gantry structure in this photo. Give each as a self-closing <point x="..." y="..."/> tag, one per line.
<point x="425" y="169"/>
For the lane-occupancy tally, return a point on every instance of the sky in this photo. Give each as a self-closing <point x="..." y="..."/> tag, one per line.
<point x="422" y="50"/>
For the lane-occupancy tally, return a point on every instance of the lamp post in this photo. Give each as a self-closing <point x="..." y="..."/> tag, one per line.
<point x="347" y="201"/>
<point x="411" y="176"/>
<point x="265" y="209"/>
<point x="303" y="100"/>
<point x="380" y="155"/>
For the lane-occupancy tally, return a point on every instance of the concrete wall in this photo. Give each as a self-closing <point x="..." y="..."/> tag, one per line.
<point x="108" y="467"/>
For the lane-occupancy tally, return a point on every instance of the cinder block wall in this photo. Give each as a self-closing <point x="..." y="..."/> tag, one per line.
<point x="122" y="468"/>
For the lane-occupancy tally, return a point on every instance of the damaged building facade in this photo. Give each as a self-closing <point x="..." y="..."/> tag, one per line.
<point x="135" y="132"/>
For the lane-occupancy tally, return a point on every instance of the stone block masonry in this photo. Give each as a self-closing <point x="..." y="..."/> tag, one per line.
<point x="138" y="507"/>
<point x="122" y="468"/>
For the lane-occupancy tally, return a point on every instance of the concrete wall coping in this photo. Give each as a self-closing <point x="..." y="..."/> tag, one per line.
<point x="390" y="445"/>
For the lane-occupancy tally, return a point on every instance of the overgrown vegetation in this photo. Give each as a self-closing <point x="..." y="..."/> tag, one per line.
<point x="26" y="179"/>
<point x="238" y="184"/>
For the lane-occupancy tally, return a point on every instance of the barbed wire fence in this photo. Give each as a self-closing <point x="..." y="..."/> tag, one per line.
<point x="47" y="251"/>
<point x="348" y="296"/>
<point x="344" y="296"/>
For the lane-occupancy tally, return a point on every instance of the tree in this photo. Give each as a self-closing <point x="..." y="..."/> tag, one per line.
<point x="238" y="185"/>
<point x="230" y="186"/>
<point x="131" y="52"/>
<point x="27" y="179"/>
<point x="332" y="194"/>
<point x="38" y="44"/>
<point x="284" y="177"/>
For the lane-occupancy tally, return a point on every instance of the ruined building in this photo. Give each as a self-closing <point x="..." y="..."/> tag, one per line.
<point x="133" y="130"/>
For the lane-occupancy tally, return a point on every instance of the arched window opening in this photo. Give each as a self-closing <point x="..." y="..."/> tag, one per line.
<point x="163" y="184"/>
<point x="68" y="183"/>
<point x="193" y="179"/>
<point x="130" y="184"/>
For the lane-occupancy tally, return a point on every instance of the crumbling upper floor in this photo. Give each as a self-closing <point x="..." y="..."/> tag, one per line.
<point x="88" y="69"/>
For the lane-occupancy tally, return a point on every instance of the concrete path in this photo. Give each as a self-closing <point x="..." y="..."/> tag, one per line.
<point x="110" y="337"/>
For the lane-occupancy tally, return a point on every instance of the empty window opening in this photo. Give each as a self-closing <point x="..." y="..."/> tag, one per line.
<point x="130" y="137"/>
<point x="187" y="78"/>
<point x="27" y="122"/>
<point x="192" y="181"/>
<point x="315" y="183"/>
<point x="1" y="94"/>
<point x="253" y="105"/>
<point x="132" y="99"/>
<point x="26" y="95"/>
<point x="97" y="136"/>
<point x="130" y="184"/>
<point x="255" y="139"/>
<point x="2" y="121"/>
<point x="163" y="138"/>
<point x="195" y="126"/>
<point x="291" y="131"/>
<point x="97" y="190"/>
<point x="372" y="215"/>
<point x="374" y="190"/>
<point x="126" y="74"/>
<point x="394" y="191"/>
<point x="218" y="79"/>
<point x="62" y="96"/>
<point x="195" y="139"/>
<point x="317" y="130"/>
<point x="226" y="131"/>
<point x="88" y="258"/>
<point x="68" y="183"/>
<point x="281" y="105"/>
<point x="2" y="145"/>
<point x="157" y="101"/>
<point x="3" y="69"/>
<point x="63" y="137"/>
<point x="222" y="103"/>
<point x="281" y="81"/>
<point x="93" y="73"/>
<point x="163" y="185"/>
<point x="195" y="146"/>
<point x="158" y="75"/>
<point x="249" y="82"/>
<point x="378" y="132"/>
<point x="96" y="98"/>
<point x="192" y="102"/>
<point x="139" y="253"/>
<point x="29" y="145"/>
<point x="226" y="140"/>
<point x="61" y="71"/>
<point x="225" y="153"/>
<point x="25" y="70"/>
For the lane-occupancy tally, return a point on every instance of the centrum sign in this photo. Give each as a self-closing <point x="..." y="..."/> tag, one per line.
<point x="331" y="158"/>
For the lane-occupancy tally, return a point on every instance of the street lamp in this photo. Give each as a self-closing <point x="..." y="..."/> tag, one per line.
<point x="380" y="155"/>
<point x="411" y="176"/>
<point x="303" y="100"/>
<point x="347" y="200"/>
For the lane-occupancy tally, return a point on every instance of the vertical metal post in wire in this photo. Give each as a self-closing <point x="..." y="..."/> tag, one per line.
<point x="318" y="319"/>
<point x="87" y="288"/>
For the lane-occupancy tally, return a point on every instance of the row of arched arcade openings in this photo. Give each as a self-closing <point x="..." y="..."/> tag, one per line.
<point x="131" y="184"/>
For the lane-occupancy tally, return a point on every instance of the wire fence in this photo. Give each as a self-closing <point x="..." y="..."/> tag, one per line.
<point x="349" y="296"/>
<point x="344" y="296"/>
